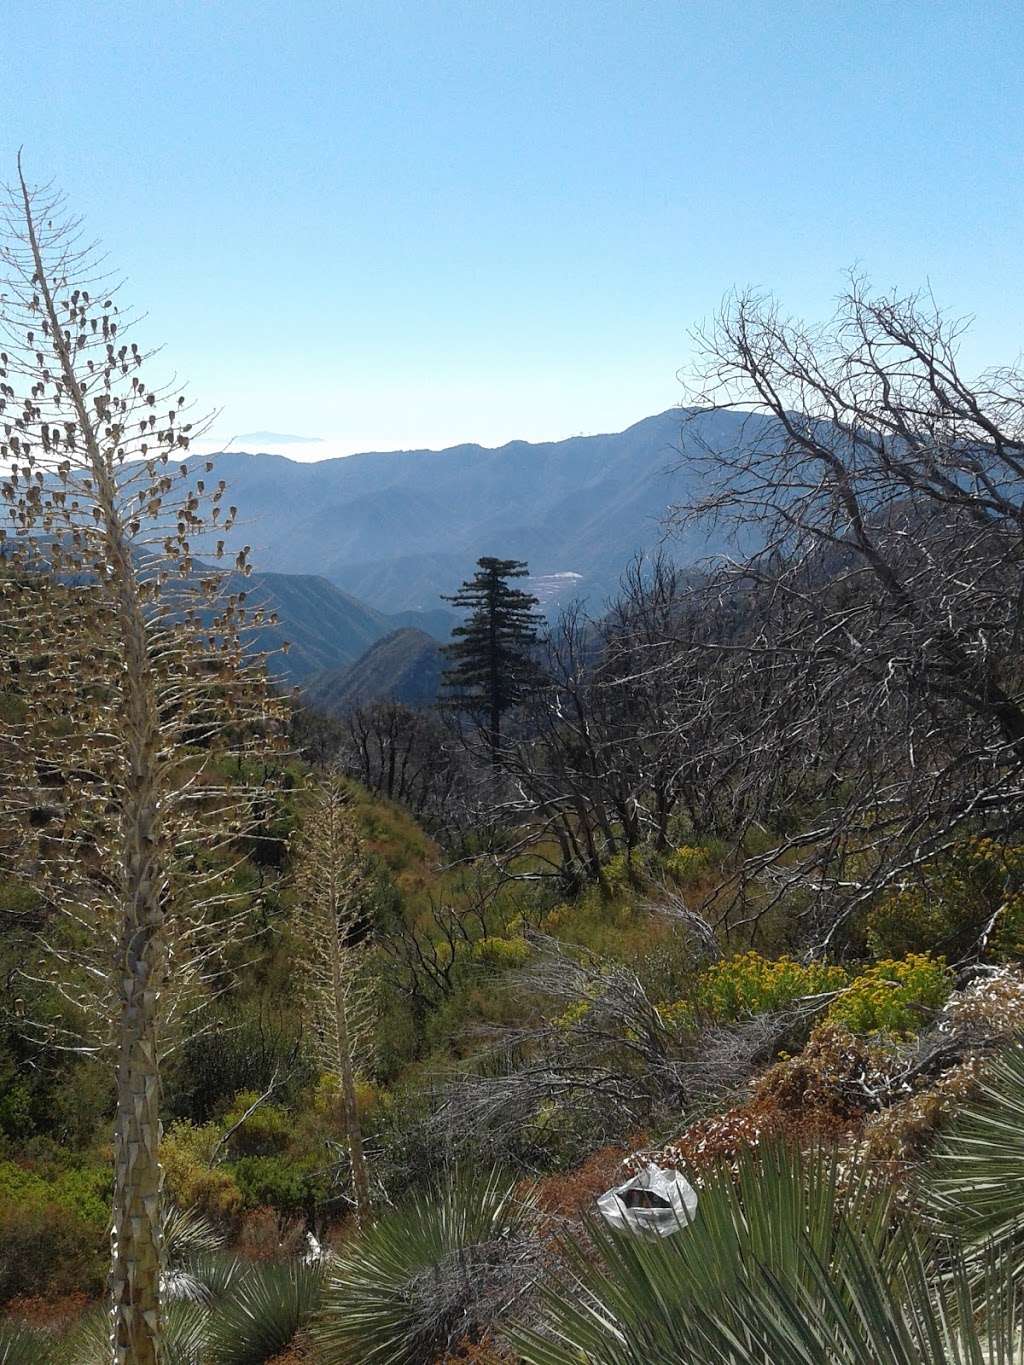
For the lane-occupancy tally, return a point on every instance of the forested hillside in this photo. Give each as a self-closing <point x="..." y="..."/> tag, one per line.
<point x="322" y="1034"/>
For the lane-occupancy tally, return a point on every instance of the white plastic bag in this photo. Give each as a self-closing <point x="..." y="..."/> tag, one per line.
<point x="655" y="1203"/>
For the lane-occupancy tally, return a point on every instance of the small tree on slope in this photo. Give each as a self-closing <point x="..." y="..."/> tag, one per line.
<point x="129" y="663"/>
<point x="491" y="665"/>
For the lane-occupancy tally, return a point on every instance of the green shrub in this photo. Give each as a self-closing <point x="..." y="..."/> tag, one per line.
<point x="16" y="1120"/>
<point x="612" y="925"/>
<point x="501" y="952"/>
<point x="290" y="1187"/>
<point x="954" y="901"/>
<point x="53" y="1232"/>
<point x="191" y="1179"/>
<point x="686" y="863"/>
<point x="894" y="997"/>
<point x="246" y="1050"/>
<point x="266" y="1132"/>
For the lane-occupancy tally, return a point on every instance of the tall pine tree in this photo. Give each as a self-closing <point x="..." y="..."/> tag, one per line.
<point x="491" y="655"/>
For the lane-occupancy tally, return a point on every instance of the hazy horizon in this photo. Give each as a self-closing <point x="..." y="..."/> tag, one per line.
<point x="304" y="449"/>
<point x="415" y="226"/>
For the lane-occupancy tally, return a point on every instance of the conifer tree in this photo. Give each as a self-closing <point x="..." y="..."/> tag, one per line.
<point x="491" y="663"/>
<point x="330" y="879"/>
<point x="128" y="660"/>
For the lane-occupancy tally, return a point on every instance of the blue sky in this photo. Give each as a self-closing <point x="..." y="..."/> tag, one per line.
<point x="401" y="224"/>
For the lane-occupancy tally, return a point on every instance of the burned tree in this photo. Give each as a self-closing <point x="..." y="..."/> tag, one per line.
<point x="884" y="495"/>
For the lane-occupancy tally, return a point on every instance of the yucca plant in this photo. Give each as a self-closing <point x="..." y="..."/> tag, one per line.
<point x="183" y="1338"/>
<point x="792" y="1261"/>
<point x="193" y="1271"/>
<point x="126" y="654"/>
<point x="858" y="1310"/>
<point x="975" y="1178"/>
<point x="438" y="1268"/>
<point x="641" y="1300"/>
<point x="331" y="880"/>
<point x="267" y="1305"/>
<point x="21" y="1345"/>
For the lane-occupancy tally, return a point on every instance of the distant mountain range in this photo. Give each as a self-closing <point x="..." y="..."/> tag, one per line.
<point x="404" y="666"/>
<point x="397" y="530"/>
<point x="326" y="630"/>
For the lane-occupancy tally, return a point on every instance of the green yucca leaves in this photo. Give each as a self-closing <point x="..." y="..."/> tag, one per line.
<point x="183" y="1342"/>
<point x="425" y="1274"/>
<point x="976" y="1176"/>
<point x="23" y="1346"/>
<point x="264" y="1309"/>
<point x="791" y="1261"/>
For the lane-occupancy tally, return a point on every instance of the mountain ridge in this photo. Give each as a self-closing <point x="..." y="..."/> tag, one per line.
<point x="397" y="529"/>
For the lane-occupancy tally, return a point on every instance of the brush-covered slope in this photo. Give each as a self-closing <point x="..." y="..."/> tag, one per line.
<point x="404" y="666"/>
<point x="323" y="626"/>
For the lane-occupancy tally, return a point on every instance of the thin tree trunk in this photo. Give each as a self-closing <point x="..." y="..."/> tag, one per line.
<point x="136" y="1237"/>
<point x="495" y="688"/>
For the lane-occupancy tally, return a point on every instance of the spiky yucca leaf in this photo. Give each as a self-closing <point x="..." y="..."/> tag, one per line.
<point x="976" y="1175"/>
<point x="183" y="1341"/>
<point x="193" y="1270"/>
<point x="432" y="1270"/>
<point x="188" y="1234"/>
<point x="792" y="1262"/>
<point x="724" y="1289"/>
<point x="266" y="1306"/>
<point x="22" y="1346"/>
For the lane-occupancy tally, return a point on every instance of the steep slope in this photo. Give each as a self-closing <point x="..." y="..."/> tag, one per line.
<point x="324" y="627"/>
<point x="398" y="529"/>
<point x="404" y="666"/>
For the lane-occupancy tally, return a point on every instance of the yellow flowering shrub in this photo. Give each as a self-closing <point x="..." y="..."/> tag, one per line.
<point x="686" y="863"/>
<point x="191" y="1181"/>
<point x="677" y="1014"/>
<point x="893" y="996"/>
<point x="575" y="1014"/>
<point x="619" y="874"/>
<point x="954" y="901"/>
<point x="327" y="1104"/>
<point x="750" y="984"/>
<point x="266" y="1130"/>
<point x="501" y="952"/>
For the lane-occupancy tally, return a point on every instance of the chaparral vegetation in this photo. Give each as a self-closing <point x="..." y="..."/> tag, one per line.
<point x="321" y="1035"/>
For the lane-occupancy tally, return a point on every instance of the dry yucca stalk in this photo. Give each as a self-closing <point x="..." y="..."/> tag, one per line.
<point x="127" y="685"/>
<point x="330" y="877"/>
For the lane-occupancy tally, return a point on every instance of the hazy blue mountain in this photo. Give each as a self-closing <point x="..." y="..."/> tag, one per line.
<point x="404" y="666"/>
<point x="396" y="530"/>
<point x="325" y="628"/>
